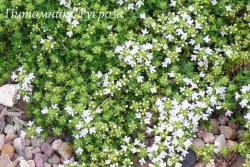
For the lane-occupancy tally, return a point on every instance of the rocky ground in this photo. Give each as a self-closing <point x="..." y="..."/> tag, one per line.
<point x="17" y="149"/>
<point x="225" y="133"/>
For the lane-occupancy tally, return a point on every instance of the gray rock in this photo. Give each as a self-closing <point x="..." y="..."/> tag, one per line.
<point x="220" y="141"/>
<point x="65" y="150"/>
<point x="240" y="134"/>
<point x="47" y="149"/>
<point x="28" y="153"/>
<point x="208" y="137"/>
<point x="39" y="160"/>
<point x="8" y="94"/>
<point x="46" y="164"/>
<point x="37" y="142"/>
<point x="9" y="137"/>
<point x="19" y="144"/>
<point x="215" y="126"/>
<point x="190" y="159"/>
<point x="56" y="144"/>
<point x="9" y="129"/>
<point x="233" y="125"/>
<point x="5" y="161"/>
<point x="31" y="163"/>
<point x="36" y="150"/>
<point x="2" y="141"/>
<point x="198" y="142"/>
<point x="231" y="143"/>
<point x="228" y="132"/>
<point x="54" y="159"/>
<point x="223" y="120"/>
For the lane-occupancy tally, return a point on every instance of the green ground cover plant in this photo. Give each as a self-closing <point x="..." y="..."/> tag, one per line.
<point x="129" y="83"/>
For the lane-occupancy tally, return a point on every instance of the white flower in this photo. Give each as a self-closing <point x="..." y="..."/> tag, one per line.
<point x="126" y="139"/>
<point x="166" y="62"/>
<point x="140" y="79"/>
<point x="38" y="130"/>
<point x="142" y="161"/>
<point x="214" y="2"/>
<point x="30" y="123"/>
<point x="69" y="33"/>
<point x="228" y="113"/>
<point x="243" y="103"/>
<point x="139" y="3"/>
<point x="79" y="150"/>
<point x="75" y="23"/>
<point x="131" y="6"/>
<point x="22" y="134"/>
<point x="206" y="39"/>
<point x="120" y="2"/>
<point x="142" y="16"/>
<point x="44" y="110"/>
<point x="247" y="116"/>
<point x="153" y="90"/>
<point x="229" y="8"/>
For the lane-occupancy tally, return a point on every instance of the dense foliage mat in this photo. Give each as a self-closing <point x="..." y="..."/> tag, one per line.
<point x="128" y="82"/>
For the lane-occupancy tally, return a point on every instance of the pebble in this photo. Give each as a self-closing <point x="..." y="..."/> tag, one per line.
<point x="215" y="126"/>
<point x="54" y="159"/>
<point x="36" y="142"/>
<point x="200" y="164"/>
<point x="231" y="143"/>
<point x="220" y="141"/>
<point x="8" y="94"/>
<point x="211" y="164"/>
<point x="233" y="125"/>
<point x="2" y="141"/>
<point x="208" y="137"/>
<point x="9" y="129"/>
<point x="56" y="144"/>
<point x="28" y="153"/>
<point x="9" y="137"/>
<point x="65" y="151"/>
<point x="38" y="160"/>
<point x="19" y="144"/>
<point x="8" y="150"/>
<point x="223" y="120"/>
<point x="31" y="163"/>
<point x="228" y="132"/>
<point x="190" y="159"/>
<point x="36" y="150"/>
<point x="47" y="149"/>
<point x="198" y="142"/>
<point x="46" y="164"/>
<point x="239" y="162"/>
<point x="5" y="161"/>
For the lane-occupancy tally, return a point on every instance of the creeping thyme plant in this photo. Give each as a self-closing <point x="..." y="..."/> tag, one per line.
<point x="130" y="88"/>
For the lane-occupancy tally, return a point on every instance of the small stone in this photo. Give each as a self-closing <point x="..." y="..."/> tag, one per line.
<point x="8" y="150"/>
<point x="239" y="162"/>
<point x="208" y="138"/>
<point x="240" y="134"/>
<point x="56" y="144"/>
<point x="27" y="142"/>
<point x="233" y="125"/>
<point x="28" y="153"/>
<point x="2" y="141"/>
<point x="9" y="137"/>
<point x="231" y="143"/>
<point x="8" y="94"/>
<point x="31" y="163"/>
<point x="38" y="160"/>
<point x="5" y="161"/>
<point x="228" y="132"/>
<point x="37" y="142"/>
<point x="46" y="165"/>
<point x="47" y="149"/>
<point x="200" y="164"/>
<point x="36" y="150"/>
<point x="223" y="120"/>
<point x="198" y="142"/>
<point x="9" y="129"/>
<point x="220" y="141"/>
<point x="54" y="160"/>
<point x="19" y="144"/>
<point x="65" y="151"/>
<point x="190" y="159"/>
<point x="211" y="164"/>
<point x="215" y="126"/>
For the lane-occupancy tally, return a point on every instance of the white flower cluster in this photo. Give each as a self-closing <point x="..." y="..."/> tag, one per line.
<point x="244" y="97"/>
<point x="48" y="43"/>
<point x="25" y="87"/>
<point x="131" y="5"/>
